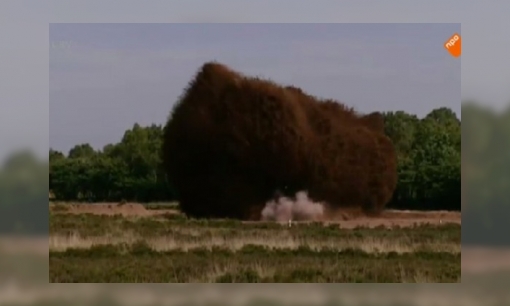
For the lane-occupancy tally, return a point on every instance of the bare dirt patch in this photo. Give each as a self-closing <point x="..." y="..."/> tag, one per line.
<point x="345" y="218"/>
<point x="392" y="218"/>
<point x="127" y="209"/>
<point x="352" y="218"/>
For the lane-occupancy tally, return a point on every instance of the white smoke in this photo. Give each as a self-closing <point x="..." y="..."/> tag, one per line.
<point x="300" y="209"/>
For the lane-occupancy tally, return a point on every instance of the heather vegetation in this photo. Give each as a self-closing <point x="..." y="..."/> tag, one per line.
<point x="90" y="248"/>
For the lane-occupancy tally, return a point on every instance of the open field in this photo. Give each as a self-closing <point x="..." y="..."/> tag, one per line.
<point x="24" y="281"/>
<point x="131" y="243"/>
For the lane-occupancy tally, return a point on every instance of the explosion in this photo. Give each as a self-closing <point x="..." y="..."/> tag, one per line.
<point x="232" y="141"/>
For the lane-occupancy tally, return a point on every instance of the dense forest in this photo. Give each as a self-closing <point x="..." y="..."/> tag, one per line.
<point x="429" y="151"/>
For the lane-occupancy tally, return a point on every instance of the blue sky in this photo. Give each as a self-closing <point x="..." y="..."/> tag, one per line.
<point x="105" y="77"/>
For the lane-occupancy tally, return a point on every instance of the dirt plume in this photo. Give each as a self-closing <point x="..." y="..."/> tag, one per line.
<point x="232" y="141"/>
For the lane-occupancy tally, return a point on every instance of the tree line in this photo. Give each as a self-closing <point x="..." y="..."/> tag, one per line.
<point x="429" y="162"/>
<point x="428" y="151"/>
<point x="128" y="170"/>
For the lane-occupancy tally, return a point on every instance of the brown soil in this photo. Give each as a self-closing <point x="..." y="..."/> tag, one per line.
<point x="393" y="218"/>
<point x="127" y="209"/>
<point x="389" y="218"/>
<point x="345" y="219"/>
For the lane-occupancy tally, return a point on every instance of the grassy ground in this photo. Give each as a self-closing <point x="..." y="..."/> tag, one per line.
<point x="169" y="248"/>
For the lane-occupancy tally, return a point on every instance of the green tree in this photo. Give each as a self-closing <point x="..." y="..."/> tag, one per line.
<point x="400" y="128"/>
<point x="55" y="155"/>
<point x="436" y="163"/>
<point x="127" y="170"/>
<point x="139" y="149"/>
<point x="83" y="150"/>
<point x="428" y="152"/>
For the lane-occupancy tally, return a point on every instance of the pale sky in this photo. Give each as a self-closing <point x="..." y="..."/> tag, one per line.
<point x="106" y="77"/>
<point x="25" y="73"/>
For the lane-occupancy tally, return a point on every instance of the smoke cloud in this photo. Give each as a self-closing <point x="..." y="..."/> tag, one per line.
<point x="299" y="209"/>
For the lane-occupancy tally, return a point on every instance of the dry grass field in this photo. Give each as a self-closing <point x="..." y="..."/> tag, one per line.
<point x="131" y="242"/>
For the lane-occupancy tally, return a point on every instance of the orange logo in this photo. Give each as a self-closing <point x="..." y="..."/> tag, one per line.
<point x="454" y="45"/>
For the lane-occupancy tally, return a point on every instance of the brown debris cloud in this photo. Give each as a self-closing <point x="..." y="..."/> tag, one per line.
<point x="232" y="141"/>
